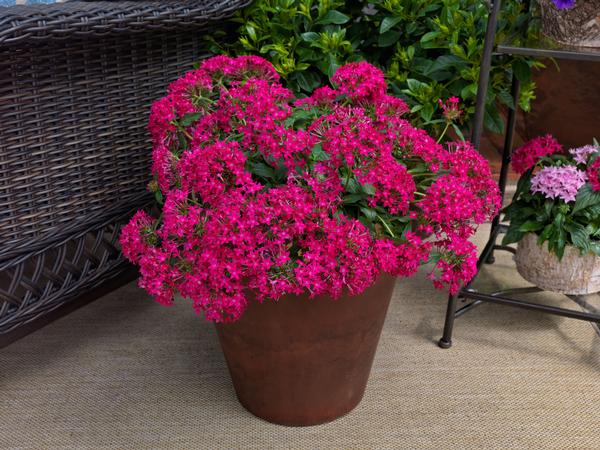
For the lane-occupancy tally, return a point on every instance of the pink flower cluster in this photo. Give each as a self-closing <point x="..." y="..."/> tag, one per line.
<point x="528" y="155"/>
<point x="451" y="109"/>
<point x="558" y="177"/>
<point x="582" y="154"/>
<point x="558" y="182"/>
<point x="593" y="173"/>
<point x="266" y="197"/>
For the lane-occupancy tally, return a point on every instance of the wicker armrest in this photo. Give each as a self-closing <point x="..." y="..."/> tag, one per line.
<point x="82" y="18"/>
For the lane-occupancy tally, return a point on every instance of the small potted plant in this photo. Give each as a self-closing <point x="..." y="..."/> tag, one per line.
<point x="572" y="22"/>
<point x="555" y="216"/>
<point x="286" y="222"/>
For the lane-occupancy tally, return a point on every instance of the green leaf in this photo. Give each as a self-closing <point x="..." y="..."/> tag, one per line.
<point x="415" y="85"/>
<point x="512" y="235"/>
<point x="369" y="213"/>
<point x="586" y="197"/>
<point x="158" y="197"/>
<point x="579" y="237"/>
<point x="299" y="118"/>
<point x="387" y="23"/>
<point x="334" y="17"/>
<point x="332" y="65"/>
<point x="189" y="119"/>
<point x="506" y="99"/>
<point x="427" y="37"/>
<point x="545" y="234"/>
<point x="352" y="198"/>
<point x="548" y="205"/>
<point x="469" y="91"/>
<point x="318" y="154"/>
<point x="444" y="62"/>
<point x="352" y="186"/>
<point x="307" y="81"/>
<point x="368" y="189"/>
<point x="427" y="112"/>
<point x="251" y="32"/>
<point x="262" y="170"/>
<point x="493" y="120"/>
<point x="522" y="71"/>
<point x="302" y="82"/>
<point x="590" y="213"/>
<point x="388" y="38"/>
<point x="366" y="222"/>
<point x="458" y="132"/>
<point x="559" y="221"/>
<point x="531" y="225"/>
<point x="183" y="142"/>
<point x="310" y="36"/>
<point x="595" y="248"/>
<point x="524" y="184"/>
<point x="560" y="244"/>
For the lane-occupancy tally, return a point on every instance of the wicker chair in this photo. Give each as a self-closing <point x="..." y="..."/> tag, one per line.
<point x="76" y="83"/>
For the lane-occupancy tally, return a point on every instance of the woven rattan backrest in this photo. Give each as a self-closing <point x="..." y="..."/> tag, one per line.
<point x="73" y="140"/>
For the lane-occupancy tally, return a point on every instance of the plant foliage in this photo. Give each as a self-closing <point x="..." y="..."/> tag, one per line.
<point x="543" y="205"/>
<point x="267" y="195"/>
<point x="427" y="49"/>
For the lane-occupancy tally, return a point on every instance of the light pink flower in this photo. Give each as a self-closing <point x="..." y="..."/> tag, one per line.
<point x="582" y="154"/>
<point x="558" y="182"/>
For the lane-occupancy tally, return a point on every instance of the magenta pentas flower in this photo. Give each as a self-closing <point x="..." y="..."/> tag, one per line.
<point x="582" y="154"/>
<point x="394" y="186"/>
<point x="593" y="173"/>
<point x="529" y="154"/>
<point x="265" y="195"/>
<point x="213" y="169"/>
<point x="451" y="109"/>
<point x="134" y="236"/>
<point x="360" y="81"/>
<point x="558" y="182"/>
<point x="447" y="272"/>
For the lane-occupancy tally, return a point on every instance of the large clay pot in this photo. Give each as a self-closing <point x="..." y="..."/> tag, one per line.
<point x="574" y="274"/>
<point x="301" y="361"/>
<point x="577" y="26"/>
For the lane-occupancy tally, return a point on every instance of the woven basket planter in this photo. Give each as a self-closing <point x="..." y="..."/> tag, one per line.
<point x="578" y="26"/>
<point x="76" y="83"/>
<point x="574" y="274"/>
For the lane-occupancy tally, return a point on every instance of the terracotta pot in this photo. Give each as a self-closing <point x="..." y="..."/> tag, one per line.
<point x="577" y="26"/>
<point x="574" y="274"/>
<point x="301" y="361"/>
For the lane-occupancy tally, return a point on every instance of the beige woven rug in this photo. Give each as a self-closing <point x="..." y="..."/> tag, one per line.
<point x="125" y="372"/>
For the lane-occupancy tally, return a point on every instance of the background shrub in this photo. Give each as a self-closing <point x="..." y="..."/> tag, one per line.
<point x="429" y="49"/>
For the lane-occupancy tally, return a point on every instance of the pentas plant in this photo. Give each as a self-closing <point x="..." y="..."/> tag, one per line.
<point x="264" y="195"/>
<point x="557" y="197"/>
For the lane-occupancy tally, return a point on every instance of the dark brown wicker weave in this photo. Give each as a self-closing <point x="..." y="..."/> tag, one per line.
<point x="76" y="83"/>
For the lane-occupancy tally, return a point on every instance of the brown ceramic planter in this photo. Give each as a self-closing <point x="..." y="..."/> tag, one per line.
<point x="301" y="361"/>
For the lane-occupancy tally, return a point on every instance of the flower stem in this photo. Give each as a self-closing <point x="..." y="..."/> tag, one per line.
<point x="444" y="132"/>
<point x="387" y="227"/>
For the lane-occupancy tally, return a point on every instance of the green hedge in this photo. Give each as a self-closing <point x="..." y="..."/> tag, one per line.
<point x="429" y="49"/>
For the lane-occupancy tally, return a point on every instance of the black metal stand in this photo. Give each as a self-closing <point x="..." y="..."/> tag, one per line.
<point x="505" y="297"/>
